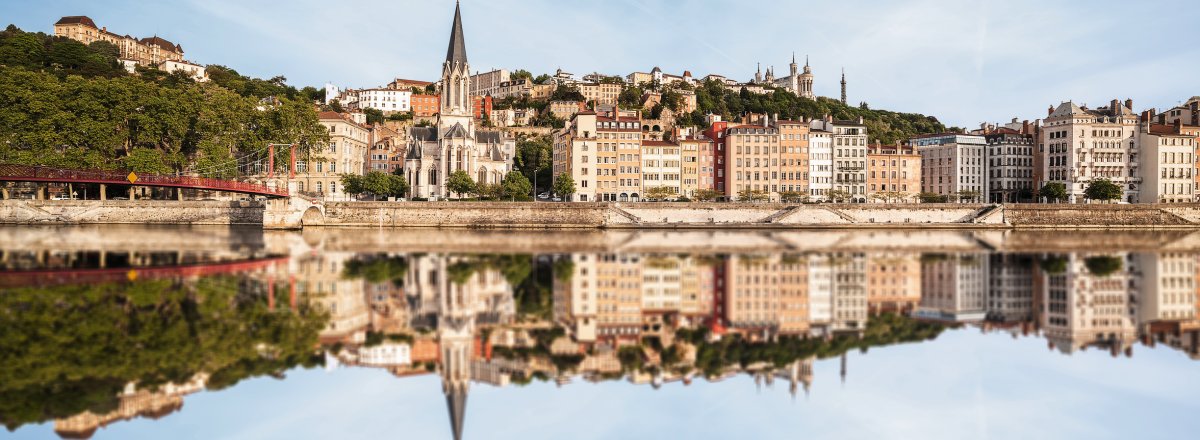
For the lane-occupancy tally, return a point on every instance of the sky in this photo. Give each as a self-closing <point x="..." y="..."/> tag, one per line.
<point x="964" y="61"/>
<point x="963" y="385"/>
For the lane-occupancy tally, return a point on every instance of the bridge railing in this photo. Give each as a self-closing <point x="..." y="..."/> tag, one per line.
<point x="41" y="173"/>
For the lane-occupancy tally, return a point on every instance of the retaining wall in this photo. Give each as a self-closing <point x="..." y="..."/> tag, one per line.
<point x="149" y="212"/>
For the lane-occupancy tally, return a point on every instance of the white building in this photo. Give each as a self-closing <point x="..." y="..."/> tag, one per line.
<point x="1168" y="158"/>
<point x="662" y="165"/>
<point x="849" y="144"/>
<point x="385" y="355"/>
<point x="1083" y="145"/>
<point x="820" y="164"/>
<point x="192" y="70"/>
<point x="954" y="288"/>
<point x="1010" y="164"/>
<point x="953" y="165"/>
<point x="386" y="100"/>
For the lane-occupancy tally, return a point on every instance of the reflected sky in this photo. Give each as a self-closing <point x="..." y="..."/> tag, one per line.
<point x="1037" y="342"/>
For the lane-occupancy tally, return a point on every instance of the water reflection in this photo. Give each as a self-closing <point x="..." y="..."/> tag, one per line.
<point x="115" y="329"/>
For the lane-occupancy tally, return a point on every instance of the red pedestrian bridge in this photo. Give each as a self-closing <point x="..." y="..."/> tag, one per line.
<point x="32" y="173"/>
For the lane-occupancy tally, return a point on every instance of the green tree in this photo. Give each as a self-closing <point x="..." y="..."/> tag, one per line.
<point x="839" y="195"/>
<point x="516" y="187"/>
<point x="533" y="160"/>
<point x="659" y="193"/>
<point x="1103" y="190"/>
<point x="968" y="195"/>
<point x="1054" y="191"/>
<point x="374" y="116"/>
<point x="353" y="184"/>
<point x="460" y="183"/>
<point x="705" y="195"/>
<point x="752" y="195"/>
<point x="929" y="197"/>
<point x="564" y="185"/>
<point x="1103" y="266"/>
<point x="520" y="74"/>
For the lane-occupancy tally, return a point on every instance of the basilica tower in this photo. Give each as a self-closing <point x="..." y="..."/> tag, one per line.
<point x="806" y="81"/>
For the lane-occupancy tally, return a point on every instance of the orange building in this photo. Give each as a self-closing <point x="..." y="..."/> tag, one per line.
<point x="893" y="282"/>
<point x="483" y="106"/>
<point x="424" y="106"/>
<point x="893" y="173"/>
<point x="793" y="157"/>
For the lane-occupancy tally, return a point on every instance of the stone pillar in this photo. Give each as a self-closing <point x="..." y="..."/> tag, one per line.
<point x="103" y="192"/>
<point x="103" y="259"/>
<point x="132" y="193"/>
<point x="4" y="191"/>
<point x="37" y="191"/>
<point x="179" y="194"/>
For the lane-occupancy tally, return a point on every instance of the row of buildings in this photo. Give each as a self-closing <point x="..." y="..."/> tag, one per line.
<point x="615" y="155"/>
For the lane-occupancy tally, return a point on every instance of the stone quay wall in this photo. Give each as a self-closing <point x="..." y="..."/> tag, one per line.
<point x="298" y="213"/>
<point x="149" y="212"/>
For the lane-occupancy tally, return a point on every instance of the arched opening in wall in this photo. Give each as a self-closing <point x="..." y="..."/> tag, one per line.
<point x="481" y="176"/>
<point x="634" y="197"/>
<point x="657" y="128"/>
<point x="624" y="197"/>
<point x="312" y="217"/>
<point x="645" y="128"/>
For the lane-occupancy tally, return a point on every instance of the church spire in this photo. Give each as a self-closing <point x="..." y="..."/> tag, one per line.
<point x="456" y="401"/>
<point x="457" y="52"/>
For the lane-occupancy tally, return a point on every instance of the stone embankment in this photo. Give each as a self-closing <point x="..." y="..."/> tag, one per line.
<point x="297" y="212"/>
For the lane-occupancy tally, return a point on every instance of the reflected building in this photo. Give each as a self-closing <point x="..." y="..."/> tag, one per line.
<point x="954" y="287"/>
<point x="893" y="282"/>
<point x="133" y="402"/>
<point x="767" y="295"/>
<point x="1085" y="306"/>
<point x="1010" y="294"/>
<point x="318" y="277"/>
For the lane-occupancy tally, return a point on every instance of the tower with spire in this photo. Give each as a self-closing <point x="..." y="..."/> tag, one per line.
<point x="453" y="144"/>
<point x="843" y="86"/>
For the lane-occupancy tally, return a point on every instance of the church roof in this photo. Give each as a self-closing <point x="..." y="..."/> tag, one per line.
<point x="456" y="402"/>
<point x="457" y="51"/>
<point x="455" y="132"/>
<point x="488" y="137"/>
<point x="423" y="133"/>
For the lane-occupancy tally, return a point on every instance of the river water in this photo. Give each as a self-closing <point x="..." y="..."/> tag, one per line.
<point x="131" y="332"/>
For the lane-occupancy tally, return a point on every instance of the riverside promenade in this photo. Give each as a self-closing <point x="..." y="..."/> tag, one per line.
<point x="296" y="213"/>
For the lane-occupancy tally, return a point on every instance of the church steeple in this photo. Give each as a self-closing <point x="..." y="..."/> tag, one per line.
<point x="456" y="74"/>
<point x="457" y="52"/>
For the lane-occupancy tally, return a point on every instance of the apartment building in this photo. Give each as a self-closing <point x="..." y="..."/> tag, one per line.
<point x="386" y="100"/>
<point x="953" y="165"/>
<point x="820" y="164"/>
<point x="483" y="84"/>
<point x="662" y="166"/>
<point x="893" y="173"/>
<point x="1083" y="145"/>
<point x="602" y="153"/>
<point x="1010" y="165"/>
<point x="793" y="157"/>
<point x="752" y="164"/>
<point x="601" y="93"/>
<point x="319" y="174"/>
<point x="1168" y="156"/>
<point x="849" y="144"/>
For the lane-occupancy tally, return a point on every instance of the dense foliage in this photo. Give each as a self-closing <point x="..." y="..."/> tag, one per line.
<point x="882" y="125"/>
<point x="71" y="349"/>
<point x="68" y="105"/>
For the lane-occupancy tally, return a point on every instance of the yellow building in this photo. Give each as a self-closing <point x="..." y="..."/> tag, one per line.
<point x="893" y="173"/>
<point x="146" y="51"/>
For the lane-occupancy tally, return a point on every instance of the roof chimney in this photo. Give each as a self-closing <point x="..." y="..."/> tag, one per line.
<point x="1050" y="111"/>
<point x="1024" y="126"/>
<point x="1129" y="104"/>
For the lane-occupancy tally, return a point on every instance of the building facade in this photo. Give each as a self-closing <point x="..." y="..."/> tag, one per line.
<point x="1010" y="165"/>
<point x="453" y="143"/>
<point x="893" y="173"/>
<point x="1084" y="145"/>
<point x="151" y="51"/>
<point x="953" y="166"/>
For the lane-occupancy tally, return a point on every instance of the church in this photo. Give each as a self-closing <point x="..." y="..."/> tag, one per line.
<point x="454" y="143"/>
<point x="800" y="84"/>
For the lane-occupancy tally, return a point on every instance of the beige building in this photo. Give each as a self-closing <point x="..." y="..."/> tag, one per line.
<point x="893" y="282"/>
<point x="1169" y="164"/>
<point x="662" y="166"/>
<point x="893" y="173"/>
<point x="484" y="84"/>
<point x="565" y="109"/>
<point x="601" y="93"/>
<point x="1083" y="145"/>
<point x="602" y="152"/>
<point x="319" y="174"/>
<point x="752" y="162"/>
<point x="151" y="51"/>
<point x="793" y="156"/>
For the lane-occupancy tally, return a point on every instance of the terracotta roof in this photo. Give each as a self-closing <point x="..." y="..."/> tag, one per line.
<point x="330" y="115"/>
<point x="77" y="19"/>
<point x="1165" y="130"/>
